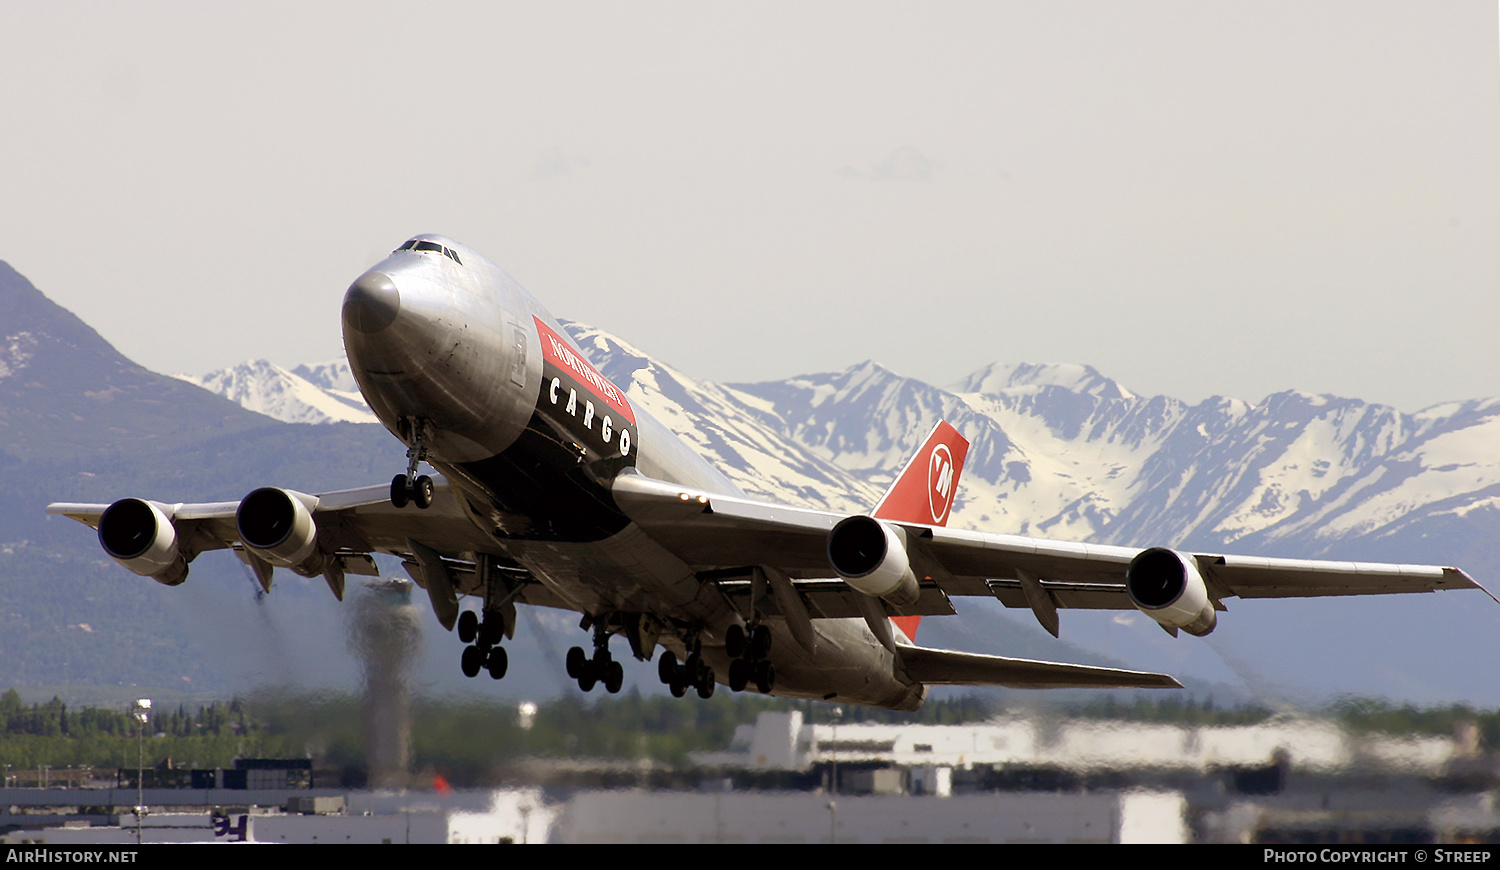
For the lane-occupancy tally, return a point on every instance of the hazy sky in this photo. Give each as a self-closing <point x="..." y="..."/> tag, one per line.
<point x="1194" y="197"/>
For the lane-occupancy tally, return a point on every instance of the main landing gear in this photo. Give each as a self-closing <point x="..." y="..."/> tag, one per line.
<point x="748" y="658"/>
<point x="409" y="488"/>
<point x="484" y="652"/>
<point x="693" y="673"/>
<point x="602" y="668"/>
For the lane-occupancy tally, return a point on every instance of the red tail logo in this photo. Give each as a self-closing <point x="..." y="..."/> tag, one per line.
<point x="940" y="484"/>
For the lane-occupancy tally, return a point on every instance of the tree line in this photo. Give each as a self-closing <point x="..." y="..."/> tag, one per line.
<point x="474" y="743"/>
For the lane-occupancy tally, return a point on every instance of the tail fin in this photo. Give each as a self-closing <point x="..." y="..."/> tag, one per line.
<point x="923" y="492"/>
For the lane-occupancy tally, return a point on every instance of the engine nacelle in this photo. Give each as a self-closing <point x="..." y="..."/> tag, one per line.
<point x="1166" y="586"/>
<point x="141" y="537"/>
<point x="277" y="525"/>
<point x="871" y="557"/>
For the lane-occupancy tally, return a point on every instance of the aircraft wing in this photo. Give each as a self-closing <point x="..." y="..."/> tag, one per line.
<point x="716" y="532"/>
<point x="350" y="525"/>
<point x="352" y="520"/>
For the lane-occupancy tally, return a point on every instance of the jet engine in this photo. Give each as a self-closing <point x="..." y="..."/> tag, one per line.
<point x="871" y="557"/>
<point x="140" y="536"/>
<point x="277" y="525"/>
<point x="1166" y="586"/>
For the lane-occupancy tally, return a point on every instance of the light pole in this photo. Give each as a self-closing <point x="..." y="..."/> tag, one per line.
<point x="142" y="711"/>
<point x="834" y="716"/>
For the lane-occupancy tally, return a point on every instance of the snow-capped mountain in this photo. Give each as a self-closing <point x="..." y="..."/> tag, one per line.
<point x="317" y="393"/>
<point x="1058" y="451"/>
<point x="1062" y="451"/>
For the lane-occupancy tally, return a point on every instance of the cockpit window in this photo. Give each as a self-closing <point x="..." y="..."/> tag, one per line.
<point x="419" y="245"/>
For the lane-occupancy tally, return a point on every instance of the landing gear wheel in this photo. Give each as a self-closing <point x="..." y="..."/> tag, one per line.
<point x="472" y="661"/>
<point x="739" y="675"/>
<point x="468" y="626"/>
<point x="666" y="666"/>
<point x="760" y="642"/>
<point x="734" y="641"/>
<point x="400" y="492"/>
<point x="691" y="668"/>
<point x="614" y="677"/>
<point x="588" y="678"/>
<point x="497" y="663"/>
<point x="577" y="662"/>
<point x="492" y="628"/>
<point x="705" y="685"/>
<point x="765" y="677"/>
<point x="678" y="689"/>
<point x="423" y="492"/>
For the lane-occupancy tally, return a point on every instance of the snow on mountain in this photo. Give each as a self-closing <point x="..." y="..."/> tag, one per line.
<point x="1075" y="378"/>
<point x="15" y="352"/>
<point x="721" y="428"/>
<point x="310" y="394"/>
<point x="331" y="375"/>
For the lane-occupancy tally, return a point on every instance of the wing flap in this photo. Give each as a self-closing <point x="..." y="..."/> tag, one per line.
<point x="939" y="667"/>
<point x="833" y="599"/>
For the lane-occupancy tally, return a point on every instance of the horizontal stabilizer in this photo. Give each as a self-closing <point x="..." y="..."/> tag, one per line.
<point x="940" y="667"/>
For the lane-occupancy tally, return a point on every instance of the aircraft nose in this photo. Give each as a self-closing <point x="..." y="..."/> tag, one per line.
<point x="371" y="303"/>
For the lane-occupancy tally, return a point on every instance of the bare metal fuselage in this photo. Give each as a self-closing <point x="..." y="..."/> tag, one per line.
<point x="448" y="348"/>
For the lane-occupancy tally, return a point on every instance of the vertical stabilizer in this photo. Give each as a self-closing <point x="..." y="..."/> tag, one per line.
<point x="924" y="491"/>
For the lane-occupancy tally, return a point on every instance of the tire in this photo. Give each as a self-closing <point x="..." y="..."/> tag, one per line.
<point x="760" y="642"/>
<point x="498" y="662"/>
<point x="589" y="679"/>
<point x="691" y="668"/>
<point x="468" y="626"/>
<point x="423" y="492"/>
<point x="614" y="677"/>
<point x="666" y="666"/>
<point x="739" y="675"/>
<point x="577" y="662"/>
<point x="706" y="684"/>
<point x="400" y="494"/>
<point x="492" y="628"/>
<point x="765" y="677"/>
<point x="472" y="661"/>
<point x="734" y="642"/>
<point x="678" y="689"/>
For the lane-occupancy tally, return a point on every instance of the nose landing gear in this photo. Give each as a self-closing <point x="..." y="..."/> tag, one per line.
<point x="409" y="488"/>
<point x="418" y="491"/>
